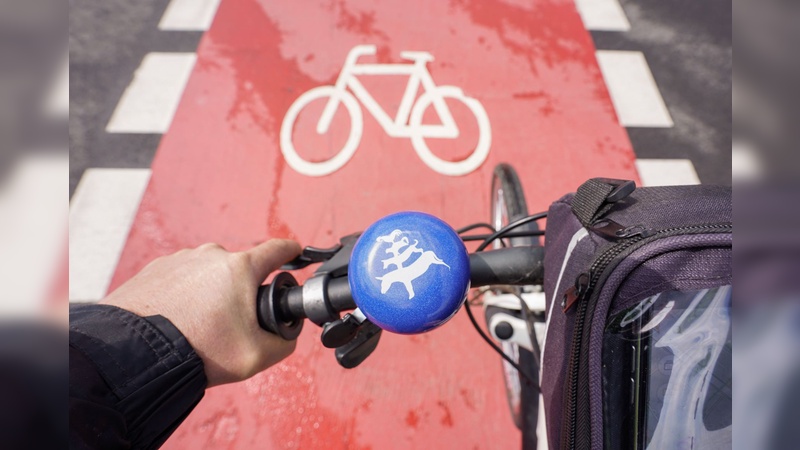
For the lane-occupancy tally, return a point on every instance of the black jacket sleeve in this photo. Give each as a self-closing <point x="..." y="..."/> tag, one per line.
<point x="132" y="380"/>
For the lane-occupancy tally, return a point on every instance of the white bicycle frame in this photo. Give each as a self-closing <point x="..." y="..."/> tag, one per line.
<point x="418" y="75"/>
<point x="536" y="303"/>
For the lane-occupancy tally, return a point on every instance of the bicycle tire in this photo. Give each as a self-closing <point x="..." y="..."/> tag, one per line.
<point x="505" y="177"/>
<point x="507" y="193"/>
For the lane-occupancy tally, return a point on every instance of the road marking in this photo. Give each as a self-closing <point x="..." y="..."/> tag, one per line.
<point x="58" y="99"/>
<point x="32" y="234"/>
<point x="666" y="172"/>
<point x="100" y="217"/>
<point x="602" y="15"/>
<point x="633" y="90"/>
<point x="150" y="101"/>
<point x="745" y="162"/>
<point x="407" y="123"/>
<point x="189" y="15"/>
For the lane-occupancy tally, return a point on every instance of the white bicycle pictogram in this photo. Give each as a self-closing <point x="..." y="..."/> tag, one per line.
<point x="407" y="123"/>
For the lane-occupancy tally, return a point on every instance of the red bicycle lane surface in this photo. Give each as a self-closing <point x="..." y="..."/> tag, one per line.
<point x="219" y="175"/>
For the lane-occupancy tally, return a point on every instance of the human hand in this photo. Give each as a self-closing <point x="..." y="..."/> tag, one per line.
<point x="209" y="294"/>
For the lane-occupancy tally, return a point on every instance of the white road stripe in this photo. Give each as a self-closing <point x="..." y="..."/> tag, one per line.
<point x="602" y="15"/>
<point x="189" y="15"/>
<point x="101" y="214"/>
<point x="150" y="101"/>
<point x="633" y="91"/>
<point x="666" y="172"/>
<point x="58" y="99"/>
<point x="33" y="208"/>
<point x="746" y="163"/>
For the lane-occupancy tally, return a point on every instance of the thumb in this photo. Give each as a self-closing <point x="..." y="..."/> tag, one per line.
<point x="267" y="257"/>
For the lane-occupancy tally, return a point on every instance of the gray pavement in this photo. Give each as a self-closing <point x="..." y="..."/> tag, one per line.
<point x="687" y="45"/>
<point x="107" y="41"/>
<point x="32" y="50"/>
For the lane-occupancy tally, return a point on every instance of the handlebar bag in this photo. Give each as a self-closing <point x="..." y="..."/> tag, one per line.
<point x="637" y="352"/>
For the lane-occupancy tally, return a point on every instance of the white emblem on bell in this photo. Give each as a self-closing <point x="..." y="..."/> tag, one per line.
<point x="401" y="252"/>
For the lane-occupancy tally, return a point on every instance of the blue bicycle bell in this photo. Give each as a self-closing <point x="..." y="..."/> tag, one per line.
<point x="409" y="272"/>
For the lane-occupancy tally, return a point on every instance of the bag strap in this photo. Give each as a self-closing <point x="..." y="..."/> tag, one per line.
<point x="597" y="196"/>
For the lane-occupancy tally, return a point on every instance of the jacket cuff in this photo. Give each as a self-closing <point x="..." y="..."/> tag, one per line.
<point x="154" y="374"/>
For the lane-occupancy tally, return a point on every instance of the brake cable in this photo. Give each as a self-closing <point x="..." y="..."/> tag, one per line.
<point x="497" y="234"/>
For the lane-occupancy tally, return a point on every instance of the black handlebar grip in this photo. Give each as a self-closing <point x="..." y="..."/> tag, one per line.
<point x="272" y="303"/>
<point x="339" y="295"/>
<point x="517" y="266"/>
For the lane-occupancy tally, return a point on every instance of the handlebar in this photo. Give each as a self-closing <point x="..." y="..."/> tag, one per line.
<point x="407" y="273"/>
<point x="284" y="304"/>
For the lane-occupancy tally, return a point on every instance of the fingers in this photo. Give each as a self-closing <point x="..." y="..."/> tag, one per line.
<point x="267" y="257"/>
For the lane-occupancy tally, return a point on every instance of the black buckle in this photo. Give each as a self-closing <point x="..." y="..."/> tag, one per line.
<point x="622" y="188"/>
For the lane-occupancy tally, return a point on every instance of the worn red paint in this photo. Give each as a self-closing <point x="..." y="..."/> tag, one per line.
<point x="412" y="419"/>
<point x="447" y="416"/>
<point x="219" y="176"/>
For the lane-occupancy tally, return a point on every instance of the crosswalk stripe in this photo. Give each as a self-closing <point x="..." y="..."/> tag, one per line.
<point x="101" y="213"/>
<point x="602" y="15"/>
<point x="745" y="162"/>
<point x="57" y="103"/>
<point x="666" y="172"/>
<point x="150" y="101"/>
<point x="32" y="234"/>
<point x="633" y="90"/>
<point x="189" y="15"/>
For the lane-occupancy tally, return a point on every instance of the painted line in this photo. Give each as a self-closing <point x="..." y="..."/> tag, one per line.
<point x="32" y="234"/>
<point x="150" y="101"/>
<point x="602" y="15"/>
<point x="448" y="128"/>
<point x="745" y="162"/>
<point x="57" y="103"/>
<point x="633" y="90"/>
<point x="189" y="15"/>
<point x="666" y="172"/>
<point x="100" y="216"/>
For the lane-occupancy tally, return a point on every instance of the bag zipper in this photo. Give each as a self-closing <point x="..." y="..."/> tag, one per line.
<point x="584" y="287"/>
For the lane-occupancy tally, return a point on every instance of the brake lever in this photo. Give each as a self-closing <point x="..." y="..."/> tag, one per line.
<point x="312" y="255"/>
<point x="360" y="347"/>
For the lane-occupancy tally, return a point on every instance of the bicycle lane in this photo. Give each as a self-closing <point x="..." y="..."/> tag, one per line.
<point x="219" y="175"/>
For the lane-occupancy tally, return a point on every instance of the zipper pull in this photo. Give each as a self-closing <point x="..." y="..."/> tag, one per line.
<point x="613" y="230"/>
<point x="635" y="230"/>
<point x="575" y="292"/>
<point x="607" y="228"/>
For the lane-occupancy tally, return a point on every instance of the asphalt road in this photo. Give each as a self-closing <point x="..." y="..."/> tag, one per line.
<point x="107" y="41"/>
<point x="688" y="48"/>
<point x="33" y="50"/>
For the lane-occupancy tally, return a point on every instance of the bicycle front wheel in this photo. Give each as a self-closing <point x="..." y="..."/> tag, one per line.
<point x="508" y="205"/>
<point x="320" y="168"/>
